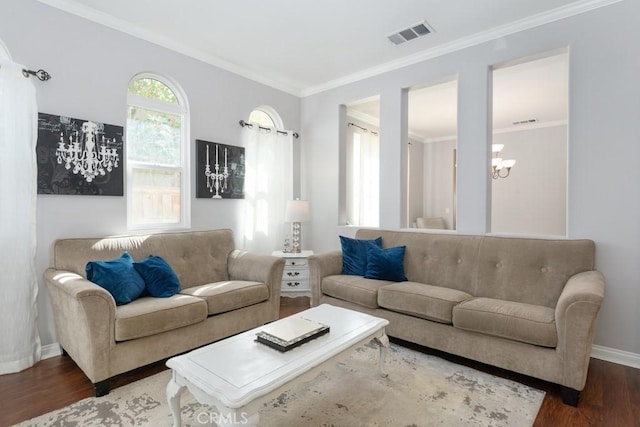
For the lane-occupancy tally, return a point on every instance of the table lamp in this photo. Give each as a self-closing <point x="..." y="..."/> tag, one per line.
<point x="296" y="212"/>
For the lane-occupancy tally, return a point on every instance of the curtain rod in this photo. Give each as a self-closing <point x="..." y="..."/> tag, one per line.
<point x="360" y="127"/>
<point x="41" y="75"/>
<point x="283" y="132"/>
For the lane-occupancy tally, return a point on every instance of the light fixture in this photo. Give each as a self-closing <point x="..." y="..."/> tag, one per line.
<point x="498" y="165"/>
<point x="83" y="152"/>
<point x="296" y="212"/>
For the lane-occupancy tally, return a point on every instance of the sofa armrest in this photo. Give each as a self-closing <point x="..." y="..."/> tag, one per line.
<point x="84" y="314"/>
<point x="576" y="315"/>
<point x="265" y="269"/>
<point x="321" y="266"/>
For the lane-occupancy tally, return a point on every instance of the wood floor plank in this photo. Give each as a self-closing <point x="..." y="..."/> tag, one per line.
<point x="611" y="396"/>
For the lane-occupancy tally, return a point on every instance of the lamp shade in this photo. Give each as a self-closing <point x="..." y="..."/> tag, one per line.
<point x="297" y="211"/>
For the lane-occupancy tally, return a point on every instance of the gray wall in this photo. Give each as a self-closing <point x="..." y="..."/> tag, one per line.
<point x="532" y="199"/>
<point x="91" y="67"/>
<point x="604" y="146"/>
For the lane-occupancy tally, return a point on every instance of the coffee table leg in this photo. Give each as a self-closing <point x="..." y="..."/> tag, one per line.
<point x="173" y="397"/>
<point x="383" y="344"/>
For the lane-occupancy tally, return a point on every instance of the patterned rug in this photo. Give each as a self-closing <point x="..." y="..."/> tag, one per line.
<point x="420" y="390"/>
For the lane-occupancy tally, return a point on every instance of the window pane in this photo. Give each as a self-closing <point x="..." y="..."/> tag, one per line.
<point x="153" y="89"/>
<point x="261" y="118"/>
<point x="153" y="137"/>
<point x="156" y="196"/>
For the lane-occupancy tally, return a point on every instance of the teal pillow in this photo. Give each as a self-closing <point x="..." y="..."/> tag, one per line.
<point x="160" y="280"/>
<point x="354" y="255"/>
<point x="385" y="264"/>
<point x="118" y="277"/>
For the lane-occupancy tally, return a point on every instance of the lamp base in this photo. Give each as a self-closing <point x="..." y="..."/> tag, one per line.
<point x="295" y="241"/>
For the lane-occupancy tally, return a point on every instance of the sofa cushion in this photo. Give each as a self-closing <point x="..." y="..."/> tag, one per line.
<point x="354" y="255"/>
<point x="148" y="316"/>
<point x="229" y="295"/>
<point x="417" y="299"/>
<point x="532" y="324"/>
<point x="385" y="264"/>
<point x="118" y="277"/>
<point x="160" y="281"/>
<point x="355" y="289"/>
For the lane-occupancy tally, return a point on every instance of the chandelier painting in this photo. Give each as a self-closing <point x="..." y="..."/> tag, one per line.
<point x="88" y="153"/>
<point x="78" y="156"/>
<point x="220" y="171"/>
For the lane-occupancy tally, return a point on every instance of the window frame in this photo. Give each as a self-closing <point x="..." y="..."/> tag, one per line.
<point x="180" y="109"/>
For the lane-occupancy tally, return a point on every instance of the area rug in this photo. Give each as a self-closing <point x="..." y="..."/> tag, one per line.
<point x="420" y="390"/>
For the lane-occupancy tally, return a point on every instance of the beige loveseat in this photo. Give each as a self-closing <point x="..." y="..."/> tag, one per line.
<point x="223" y="291"/>
<point x="526" y="305"/>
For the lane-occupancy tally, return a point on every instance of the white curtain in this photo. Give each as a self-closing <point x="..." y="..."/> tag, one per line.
<point x="20" y="343"/>
<point x="268" y="186"/>
<point x="363" y="180"/>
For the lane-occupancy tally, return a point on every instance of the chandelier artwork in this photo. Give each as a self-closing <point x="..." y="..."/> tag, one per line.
<point x="88" y="152"/>
<point x="500" y="168"/>
<point x="217" y="179"/>
<point x="220" y="170"/>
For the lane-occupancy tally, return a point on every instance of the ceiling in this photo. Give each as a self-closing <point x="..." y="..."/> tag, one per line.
<point x="305" y="47"/>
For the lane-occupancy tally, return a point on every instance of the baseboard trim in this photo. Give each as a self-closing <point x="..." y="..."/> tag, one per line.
<point x="616" y="356"/>
<point x="613" y="355"/>
<point x="50" y="350"/>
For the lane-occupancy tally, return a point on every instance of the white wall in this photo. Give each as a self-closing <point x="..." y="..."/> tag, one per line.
<point x="604" y="146"/>
<point x="91" y="67"/>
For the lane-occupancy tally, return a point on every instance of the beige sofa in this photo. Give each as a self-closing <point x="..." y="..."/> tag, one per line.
<point x="224" y="291"/>
<point x="526" y="305"/>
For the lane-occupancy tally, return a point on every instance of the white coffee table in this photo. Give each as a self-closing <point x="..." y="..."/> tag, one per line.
<point x="238" y="374"/>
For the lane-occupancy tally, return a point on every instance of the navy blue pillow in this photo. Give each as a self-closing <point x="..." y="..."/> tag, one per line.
<point x="159" y="278"/>
<point x="385" y="264"/>
<point x="354" y="255"/>
<point x="118" y="277"/>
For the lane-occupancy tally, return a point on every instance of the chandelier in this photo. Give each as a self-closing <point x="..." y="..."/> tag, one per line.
<point x="84" y="155"/>
<point x="500" y="168"/>
<point x="216" y="180"/>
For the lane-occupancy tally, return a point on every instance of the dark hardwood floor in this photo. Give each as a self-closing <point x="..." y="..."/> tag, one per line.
<point x="611" y="396"/>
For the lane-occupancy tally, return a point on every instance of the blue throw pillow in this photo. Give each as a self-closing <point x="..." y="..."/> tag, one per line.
<point x="385" y="264"/>
<point x="159" y="278"/>
<point x="118" y="277"/>
<point x="354" y="255"/>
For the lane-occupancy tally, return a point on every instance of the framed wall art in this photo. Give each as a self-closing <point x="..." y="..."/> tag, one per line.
<point x="220" y="171"/>
<point x="79" y="157"/>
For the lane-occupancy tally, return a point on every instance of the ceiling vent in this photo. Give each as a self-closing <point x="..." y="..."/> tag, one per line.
<point x="413" y="32"/>
<point x="525" y="122"/>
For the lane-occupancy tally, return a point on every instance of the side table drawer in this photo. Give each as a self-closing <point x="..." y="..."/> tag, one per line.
<point x="296" y="263"/>
<point x="291" y="274"/>
<point x="295" y="285"/>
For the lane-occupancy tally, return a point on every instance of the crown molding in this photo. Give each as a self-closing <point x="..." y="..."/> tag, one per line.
<point x="123" y="26"/>
<point x="465" y="42"/>
<point x="107" y="20"/>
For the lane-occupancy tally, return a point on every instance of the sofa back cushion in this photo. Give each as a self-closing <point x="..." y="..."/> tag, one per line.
<point x="434" y="259"/>
<point x="531" y="271"/>
<point x="197" y="257"/>
<point x="526" y="270"/>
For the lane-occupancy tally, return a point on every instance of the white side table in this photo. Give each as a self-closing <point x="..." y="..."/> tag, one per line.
<point x="295" y="277"/>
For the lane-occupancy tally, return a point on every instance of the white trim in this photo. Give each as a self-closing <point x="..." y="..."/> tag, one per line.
<point x="99" y="17"/>
<point x="182" y="110"/>
<point x="50" y="350"/>
<point x="549" y="16"/>
<point x="464" y="42"/>
<point x="613" y="355"/>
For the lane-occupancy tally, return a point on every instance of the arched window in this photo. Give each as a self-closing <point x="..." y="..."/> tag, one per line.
<point x="157" y="154"/>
